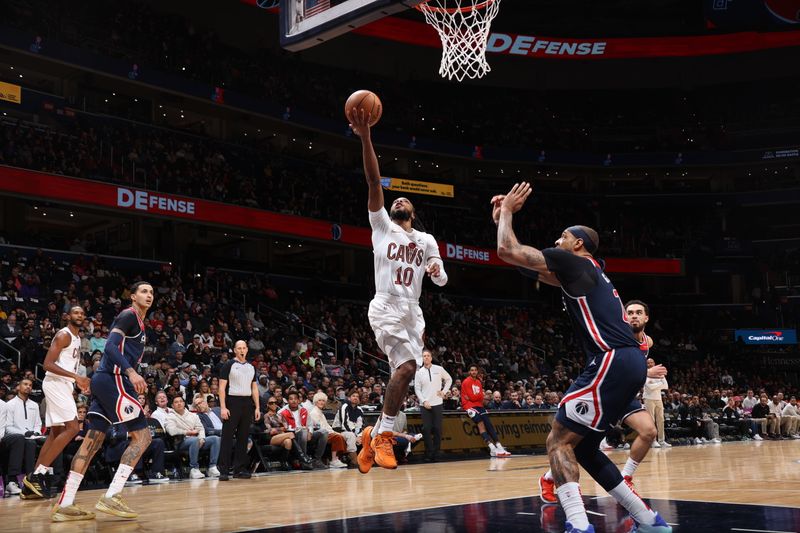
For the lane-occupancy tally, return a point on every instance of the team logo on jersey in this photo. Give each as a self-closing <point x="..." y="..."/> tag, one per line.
<point x="129" y="409"/>
<point x="582" y="408"/>
<point x="406" y="253"/>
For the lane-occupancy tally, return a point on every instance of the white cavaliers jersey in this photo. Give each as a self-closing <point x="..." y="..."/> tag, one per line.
<point x="400" y="257"/>
<point x="69" y="358"/>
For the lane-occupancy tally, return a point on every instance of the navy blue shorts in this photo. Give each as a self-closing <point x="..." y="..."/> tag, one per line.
<point x="476" y="413"/>
<point x="604" y="391"/>
<point x="114" y="402"/>
<point x="634" y="407"/>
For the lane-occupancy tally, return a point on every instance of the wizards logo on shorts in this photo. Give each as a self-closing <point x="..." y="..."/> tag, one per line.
<point x="129" y="409"/>
<point x="582" y="409"/>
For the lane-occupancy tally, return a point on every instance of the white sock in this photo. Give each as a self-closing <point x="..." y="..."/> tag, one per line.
<point x="50" y="470"/>
<point x="387" y="423"/>
<point x="123" y="473"/>
<point x="630" y="467"/>
<point x="499" y="445"/>
<point x="569" y="494"/>
<point x="41" y="469"/>
<point x="633" y="503"/>
<point x="548" y="475"/>
<point x="70" y="489"/>
<point x="492" y="446"/>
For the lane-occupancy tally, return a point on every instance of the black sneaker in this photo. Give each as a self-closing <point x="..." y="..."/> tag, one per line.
<point x="32" y="487"/>
<point x="242" y="475"/>
<point x="223" y="477"/>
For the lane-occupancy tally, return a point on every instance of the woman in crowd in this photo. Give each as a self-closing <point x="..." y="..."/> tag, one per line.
<point x="280" y="435"/>
<point x="318" y="422"/>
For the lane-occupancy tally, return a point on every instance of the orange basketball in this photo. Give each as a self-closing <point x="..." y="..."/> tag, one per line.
<point x="366" y="100"/>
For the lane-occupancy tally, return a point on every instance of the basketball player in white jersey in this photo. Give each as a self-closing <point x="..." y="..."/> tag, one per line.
<point x="403" y="256"/>
<point x="61" y="367"/>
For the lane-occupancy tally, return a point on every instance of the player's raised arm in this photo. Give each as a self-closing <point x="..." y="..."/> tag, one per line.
<point x="359" y="122"/>
<point x="509" y="248"/>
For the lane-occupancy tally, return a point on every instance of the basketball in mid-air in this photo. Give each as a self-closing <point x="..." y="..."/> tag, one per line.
<point x="368" y="101"/>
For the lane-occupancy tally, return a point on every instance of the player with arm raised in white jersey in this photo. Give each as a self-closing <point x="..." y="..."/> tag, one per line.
<point x="403" y="256"/>
<point x="61" y="375"/>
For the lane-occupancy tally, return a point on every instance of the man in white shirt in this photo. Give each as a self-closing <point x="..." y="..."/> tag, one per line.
<point x="181" y="421"/>
<point x="775" y="409"/>
<point x="749" y="402"/>
<point x="791" y="417"/>
<point x="653" y="402"/>
<point x="162" y="409"/>
<point x="431" y="383"/>
<point x="23" y="425"/>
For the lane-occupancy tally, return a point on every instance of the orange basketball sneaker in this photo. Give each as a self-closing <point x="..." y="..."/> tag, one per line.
<point x="366" y="457"/>
<point x="547" y="490"/>
<point x="382" y="447"/>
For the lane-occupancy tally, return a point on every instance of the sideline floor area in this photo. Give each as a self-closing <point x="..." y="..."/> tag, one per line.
<point x="748" y="486"/>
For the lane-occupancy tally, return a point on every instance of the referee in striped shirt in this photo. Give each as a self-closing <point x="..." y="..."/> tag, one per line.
<point x="238" y="400"/>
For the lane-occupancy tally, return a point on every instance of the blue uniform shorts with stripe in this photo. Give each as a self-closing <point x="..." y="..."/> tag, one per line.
<point x="604" y="391"/>
<point x="114" y="402"/>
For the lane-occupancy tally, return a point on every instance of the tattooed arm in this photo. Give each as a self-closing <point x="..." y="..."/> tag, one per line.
<point x="509" y="248"/>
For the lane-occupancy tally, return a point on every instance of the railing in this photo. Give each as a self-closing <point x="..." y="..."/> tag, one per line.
<point x="6" y="347"/>
<point x="279" y="317"/>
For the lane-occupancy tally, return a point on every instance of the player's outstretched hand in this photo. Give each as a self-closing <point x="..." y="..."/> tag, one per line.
<point x="517" y="196"/>
<point x="359" y="122"/>
<point x="497" y="202"/>
<point x="433" y="270"/>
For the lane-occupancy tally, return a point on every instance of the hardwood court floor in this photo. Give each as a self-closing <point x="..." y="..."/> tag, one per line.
<point x="765" y="474"/>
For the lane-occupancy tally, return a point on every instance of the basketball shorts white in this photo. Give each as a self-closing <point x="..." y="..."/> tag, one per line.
<point x="398" y="325"/>
<point x="61" y="406"/>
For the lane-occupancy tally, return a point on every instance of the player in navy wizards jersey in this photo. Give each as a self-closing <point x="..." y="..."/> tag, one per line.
<point x="615" y="370"/>
<point x="114" y="386"/>
<point x="634" y="416"/>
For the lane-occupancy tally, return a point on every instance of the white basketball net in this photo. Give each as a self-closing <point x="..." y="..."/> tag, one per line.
<point x="463" y="27"/>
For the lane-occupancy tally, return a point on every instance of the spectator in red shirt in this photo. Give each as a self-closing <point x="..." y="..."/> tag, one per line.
<point x="472" y="403"/>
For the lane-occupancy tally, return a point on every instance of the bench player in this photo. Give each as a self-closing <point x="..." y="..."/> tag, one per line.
<point x="115" y="386"/>
<point x="403" y="256"/>
<point x="615" y="370"/>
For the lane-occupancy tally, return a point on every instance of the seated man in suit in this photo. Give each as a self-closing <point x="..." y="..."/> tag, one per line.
<point x="210" y="419"/>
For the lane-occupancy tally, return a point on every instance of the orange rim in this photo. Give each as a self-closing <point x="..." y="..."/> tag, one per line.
<point x="452" y="10"/>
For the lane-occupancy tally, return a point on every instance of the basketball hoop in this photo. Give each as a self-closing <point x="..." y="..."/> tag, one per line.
<point x="463" y="27"/>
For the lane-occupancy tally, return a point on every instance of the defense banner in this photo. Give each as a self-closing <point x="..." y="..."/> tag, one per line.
<point x="418" y="187"/>
<point x="10" y="92"/>
<point x="540" y="46"/>
<point x="63" y="189"/>
<point x="767" y="336"/>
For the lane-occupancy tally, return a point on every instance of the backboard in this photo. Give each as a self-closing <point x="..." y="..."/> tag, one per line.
<point x="307" y="23"/>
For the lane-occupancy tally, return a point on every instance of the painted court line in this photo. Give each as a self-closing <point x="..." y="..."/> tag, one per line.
<point x="760" y="530"/>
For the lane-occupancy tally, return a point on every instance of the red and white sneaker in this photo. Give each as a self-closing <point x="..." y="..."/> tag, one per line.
<point x="547" y="490"/>
<point x="501" y="452"/>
